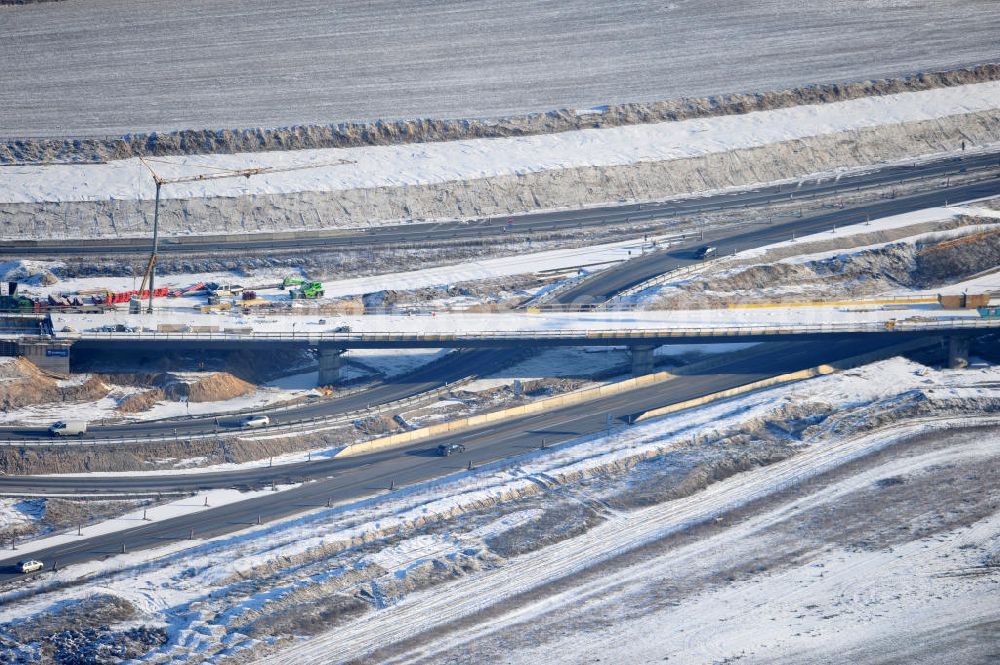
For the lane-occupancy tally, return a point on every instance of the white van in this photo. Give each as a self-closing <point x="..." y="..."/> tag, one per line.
<point x="30" y="566"/>
<point x="68" y="428"/>
<point x="255" y="421"/>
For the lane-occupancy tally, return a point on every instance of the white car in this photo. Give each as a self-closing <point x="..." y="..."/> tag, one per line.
<point x="255" y="421"/>
<point x="30" y="566"/>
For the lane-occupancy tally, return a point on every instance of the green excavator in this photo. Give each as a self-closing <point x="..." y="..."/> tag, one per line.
<point x="307" y="291"/>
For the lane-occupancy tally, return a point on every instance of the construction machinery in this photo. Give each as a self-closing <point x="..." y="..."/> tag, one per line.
<point x="291" y="281"/>
<point x="194" y="288"/>
<point x="307" y="291"/>
<point x="963" y="300"/>
<point x="159" y="181"/>
<point x="989" y="312"/>
<point x="18" y="304"/>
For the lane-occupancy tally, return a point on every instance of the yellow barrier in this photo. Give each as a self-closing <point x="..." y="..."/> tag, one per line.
<point x="542" y="406"/>
<point x="469" y="422"/>
<point x="835" y="303"/>
<point x="738" y="390"/>
<point x="847" y="363"/>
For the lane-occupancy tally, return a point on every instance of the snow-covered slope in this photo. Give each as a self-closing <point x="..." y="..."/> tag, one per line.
<point x="428" y="163"/>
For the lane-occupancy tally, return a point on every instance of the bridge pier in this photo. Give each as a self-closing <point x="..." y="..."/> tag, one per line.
<point x="958" y="352"/>
<point x="47" y="355"/>
<point x="642" y="359"/>
<point x="329" y="365"/>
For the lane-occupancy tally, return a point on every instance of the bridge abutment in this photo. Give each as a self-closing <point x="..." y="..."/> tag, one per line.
<point x="958" y="352"/>
<point x="642" y="359"/>
<point x="330" y="362"/>
<point x="47" y="355"/>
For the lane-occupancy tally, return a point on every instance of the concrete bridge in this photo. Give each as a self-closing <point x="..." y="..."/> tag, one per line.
<point x="52" y="351"/>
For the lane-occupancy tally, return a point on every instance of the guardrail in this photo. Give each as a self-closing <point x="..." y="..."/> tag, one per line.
<point x="665" y="278"/>
<point x="680" y="273"/>
<point x="670" y="241"/>
<point x="349" y="339"/>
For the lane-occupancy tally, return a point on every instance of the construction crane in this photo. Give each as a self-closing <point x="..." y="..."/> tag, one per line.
<point x="149" y="276"/>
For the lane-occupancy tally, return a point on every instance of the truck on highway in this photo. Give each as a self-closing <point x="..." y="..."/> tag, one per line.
<point x="68" y="428"/>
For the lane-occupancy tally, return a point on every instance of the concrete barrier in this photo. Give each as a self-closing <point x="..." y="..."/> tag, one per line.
<point x="739" y="390"/>
<point x="902" y="300"/>
<point x="819" y="370"/>
<point x="542" y="406"/>
<point x="470" y="422"/>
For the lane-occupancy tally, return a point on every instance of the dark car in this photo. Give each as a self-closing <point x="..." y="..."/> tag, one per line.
<point x="450" y="449"/>
<point x="706" y="252"/>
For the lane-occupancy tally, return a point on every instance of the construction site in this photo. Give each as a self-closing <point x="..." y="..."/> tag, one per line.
<point x="457" y="334"/>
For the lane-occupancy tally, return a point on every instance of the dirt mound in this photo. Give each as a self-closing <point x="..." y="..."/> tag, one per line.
<point x="140" y="402"/>
<point x="213" y="387"/>
<point x="218" y="387"/>
<point x="19" y="368"/>
<point x="949" y="260"/>
<point x="91" y="389"/>
<point x="23" y="384"/>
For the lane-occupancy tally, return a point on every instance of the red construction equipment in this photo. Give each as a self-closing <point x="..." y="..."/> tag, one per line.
<point x="118" y="297"/>
<point x="191" y="289"/>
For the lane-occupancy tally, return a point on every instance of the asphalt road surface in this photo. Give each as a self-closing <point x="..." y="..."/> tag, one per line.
<point x="83" y="68"/>
<point x="984" y="164"/>
<point x="344" y="479"/>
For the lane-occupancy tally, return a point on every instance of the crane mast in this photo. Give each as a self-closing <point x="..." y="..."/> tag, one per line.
<point x="150" y="274"/>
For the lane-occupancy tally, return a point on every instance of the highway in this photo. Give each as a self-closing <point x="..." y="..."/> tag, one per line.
<point x="982" y="164"/>
<point x="344" y="479"/>
<point x="598" y="288"/>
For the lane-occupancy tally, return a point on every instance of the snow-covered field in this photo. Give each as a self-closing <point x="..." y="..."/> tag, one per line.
<point x="202" y="593"/>
<point x="17" y="512"/>
<point x="304" y="61"/>
<point x="834" y="604"/>
<point x="429" y="163"/>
